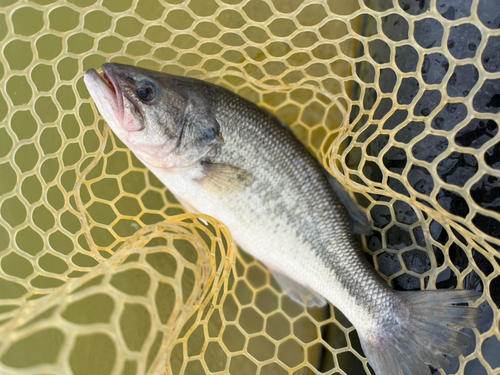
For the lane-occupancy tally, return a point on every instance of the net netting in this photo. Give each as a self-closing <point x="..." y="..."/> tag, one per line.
<point x="103" y="272"/>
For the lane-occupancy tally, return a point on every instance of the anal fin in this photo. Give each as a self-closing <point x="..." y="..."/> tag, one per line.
<point x="299" y="293"/>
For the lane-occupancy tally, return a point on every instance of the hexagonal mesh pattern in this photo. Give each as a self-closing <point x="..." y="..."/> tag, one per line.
<point x="399" y="99"/>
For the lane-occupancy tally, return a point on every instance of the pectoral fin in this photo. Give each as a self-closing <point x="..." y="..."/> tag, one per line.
<point x="224" y="179"/>
<point x="299" y="293"/>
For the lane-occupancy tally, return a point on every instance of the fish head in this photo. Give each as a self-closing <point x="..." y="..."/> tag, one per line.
<point x="167" y="121"/>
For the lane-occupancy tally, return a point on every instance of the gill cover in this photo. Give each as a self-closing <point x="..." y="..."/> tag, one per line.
<point x="200" y="132"/>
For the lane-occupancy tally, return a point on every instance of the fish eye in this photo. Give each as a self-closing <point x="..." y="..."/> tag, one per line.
<point x="146" y="93"/>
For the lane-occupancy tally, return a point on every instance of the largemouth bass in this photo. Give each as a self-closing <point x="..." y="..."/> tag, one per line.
<point x="223" y="156"/>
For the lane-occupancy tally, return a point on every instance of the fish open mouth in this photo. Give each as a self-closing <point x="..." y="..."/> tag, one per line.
<point x="109" y="79"/>
<point x="114" y="102"/>
<point x="109" y="76"/>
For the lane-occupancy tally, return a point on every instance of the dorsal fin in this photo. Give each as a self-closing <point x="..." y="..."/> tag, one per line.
<point x="360" y="222"/>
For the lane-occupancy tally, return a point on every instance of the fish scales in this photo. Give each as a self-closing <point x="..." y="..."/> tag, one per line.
<point x="285" y="173"/>
<point x="289" y="189"/>
<point x="223" y="156"/>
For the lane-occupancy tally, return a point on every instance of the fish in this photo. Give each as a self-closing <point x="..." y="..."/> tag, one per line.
<point x="223" y="156"/>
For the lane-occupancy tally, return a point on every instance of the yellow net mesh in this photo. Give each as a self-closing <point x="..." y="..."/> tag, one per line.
<point x="400" y="100"/>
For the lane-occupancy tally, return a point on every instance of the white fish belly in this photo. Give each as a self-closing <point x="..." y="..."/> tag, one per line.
<point x="268" y="239"/>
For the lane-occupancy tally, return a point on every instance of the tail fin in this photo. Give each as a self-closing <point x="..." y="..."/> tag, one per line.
<point x="425" y="335"/>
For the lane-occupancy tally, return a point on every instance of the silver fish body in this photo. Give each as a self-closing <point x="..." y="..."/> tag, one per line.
<point x="289" y="217"/>
<point x="229" y="159"/>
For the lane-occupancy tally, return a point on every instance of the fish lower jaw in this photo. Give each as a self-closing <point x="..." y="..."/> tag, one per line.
<point x="104" y="98"/>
